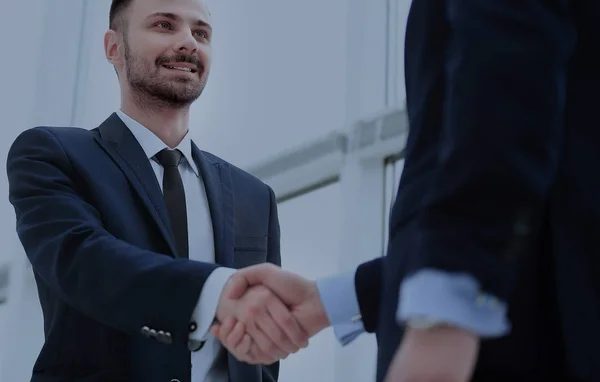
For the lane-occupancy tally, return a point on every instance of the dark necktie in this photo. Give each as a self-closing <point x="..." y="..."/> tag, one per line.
<point x="174" y="196"/>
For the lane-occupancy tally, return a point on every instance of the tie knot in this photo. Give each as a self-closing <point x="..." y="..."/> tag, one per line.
<point x="169" y="158"/>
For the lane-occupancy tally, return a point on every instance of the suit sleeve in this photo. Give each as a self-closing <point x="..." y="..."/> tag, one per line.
<point x="368" y="282"/>
<point x="270" y="373"/>
<point x="500" y="142"/>
<point x="111" y="281"/>
<point x="203" y="315"/>
<point x="352" y="300"/>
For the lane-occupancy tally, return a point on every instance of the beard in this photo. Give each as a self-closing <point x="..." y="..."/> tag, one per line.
<point x="150" y="86"/>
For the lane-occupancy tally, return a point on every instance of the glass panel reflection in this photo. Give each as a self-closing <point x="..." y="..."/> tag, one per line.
<point x="310" y="246"/>
<point x="393" y="173"/>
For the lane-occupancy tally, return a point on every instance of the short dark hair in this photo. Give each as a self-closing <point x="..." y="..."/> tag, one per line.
<point x="115" y="16"/>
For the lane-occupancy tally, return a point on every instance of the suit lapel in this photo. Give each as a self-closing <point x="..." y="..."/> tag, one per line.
<point x="219" y="192"/>
<point x="121" y="145"/>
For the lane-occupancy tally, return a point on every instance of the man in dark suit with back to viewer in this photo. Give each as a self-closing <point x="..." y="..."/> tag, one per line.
<point x="494" y="253"/>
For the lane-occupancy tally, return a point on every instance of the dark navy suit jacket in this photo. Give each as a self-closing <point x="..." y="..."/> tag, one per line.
<point x="92" y="221"/>
<point x="501" y="179"/>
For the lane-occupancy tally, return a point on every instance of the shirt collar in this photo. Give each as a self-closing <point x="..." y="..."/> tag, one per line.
<point x="152" y="145"/>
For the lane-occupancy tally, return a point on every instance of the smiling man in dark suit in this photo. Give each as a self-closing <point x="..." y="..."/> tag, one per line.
<point x="134" y="233"/>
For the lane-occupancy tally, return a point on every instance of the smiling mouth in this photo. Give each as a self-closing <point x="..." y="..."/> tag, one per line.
<point x="181" y="68"/>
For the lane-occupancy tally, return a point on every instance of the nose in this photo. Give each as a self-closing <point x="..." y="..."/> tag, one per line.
<point x="187" y="44"/>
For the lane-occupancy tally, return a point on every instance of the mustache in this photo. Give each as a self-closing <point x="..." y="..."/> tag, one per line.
<point x="163" y="60"/>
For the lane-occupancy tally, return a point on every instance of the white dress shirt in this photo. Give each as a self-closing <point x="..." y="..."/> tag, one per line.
<point x="429" y="295"/>
<point x="201" y="247"/>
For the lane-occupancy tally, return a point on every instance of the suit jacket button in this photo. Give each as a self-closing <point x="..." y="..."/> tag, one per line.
<point x="146" y="332"/>
<point x="193" y="327"/>
<point x="175" y="380"/>
<point x="164" y="337"/>
<point x="195" y="345"/>
<point x="153" y="333"/>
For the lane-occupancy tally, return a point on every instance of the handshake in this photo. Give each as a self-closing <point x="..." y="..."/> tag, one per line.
<point x="266" y="313"/>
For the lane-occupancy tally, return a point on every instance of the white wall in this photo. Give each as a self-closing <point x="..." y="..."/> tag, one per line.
<point x="18" y="89"/>
<point x="19" y="74"/>
<point x="38" y="82"/>
<point x="310" y="247"/>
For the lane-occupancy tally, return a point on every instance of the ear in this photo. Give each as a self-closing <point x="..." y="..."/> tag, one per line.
<point x="113" y="47"/>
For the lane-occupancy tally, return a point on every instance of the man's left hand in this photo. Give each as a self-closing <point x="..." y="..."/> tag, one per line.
<point x="438" y="354"/>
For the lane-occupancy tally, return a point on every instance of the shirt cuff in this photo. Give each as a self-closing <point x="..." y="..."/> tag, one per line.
<point x="454" y="299"/>
<point x="338" y="295"/>
<point x="204" y="313"/>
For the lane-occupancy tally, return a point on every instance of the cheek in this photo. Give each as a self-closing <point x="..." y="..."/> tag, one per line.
<point x="149" y="59"/>
<point x="141" y="61"/>
<point x="147" y="54"/>
<point x="206" y="55"/>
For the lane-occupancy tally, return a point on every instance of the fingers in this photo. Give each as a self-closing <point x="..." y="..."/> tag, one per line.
<point x="289" y="287"/>
<point x="252" y="313"/>
<point x="236" y="286"/>
<point x="215" y="329"/>
<point x="271" y="325"/>
<point x="232" y="333"/>
<point x="262" y="329"/>
<point x="290" y="333"/>
<point x="258" y="357"/>
<point x="233" y="337"/>
<point x="266" y="332"/>
<point x="263" y="309"/>
<point x="240" y="342"/>
<point x="278" y="345"/>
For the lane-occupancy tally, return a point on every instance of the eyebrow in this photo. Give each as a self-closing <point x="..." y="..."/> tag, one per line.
<point x="174" y="17"/>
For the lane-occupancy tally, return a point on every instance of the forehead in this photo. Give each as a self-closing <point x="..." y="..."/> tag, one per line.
<point x="192" y="11"/>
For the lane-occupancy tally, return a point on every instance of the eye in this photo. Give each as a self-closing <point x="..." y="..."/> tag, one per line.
<point x="163" y="24"/>
<point x="202" y="34"/>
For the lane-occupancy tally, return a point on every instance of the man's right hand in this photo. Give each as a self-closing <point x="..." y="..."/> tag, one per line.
<point x="299" y="295"/>
<point x="262" y="319"/>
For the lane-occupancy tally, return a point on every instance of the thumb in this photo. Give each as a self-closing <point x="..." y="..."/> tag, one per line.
<point x="240" y="281"/>
<point x="214" y="330"/>
<point x="289" y="287"/>
<point x="236" y="286"/>
<point x="257" y="274"/>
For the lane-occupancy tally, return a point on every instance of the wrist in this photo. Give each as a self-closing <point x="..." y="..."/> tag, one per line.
<point x="320" y="318"/>
<point x="224" y="304"/>
<point x="423" y="323"/>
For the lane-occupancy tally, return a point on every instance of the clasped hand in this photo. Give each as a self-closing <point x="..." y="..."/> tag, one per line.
<point x="265" y="314"/>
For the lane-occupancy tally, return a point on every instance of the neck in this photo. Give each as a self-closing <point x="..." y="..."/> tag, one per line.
<point x="168" y="124"/>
